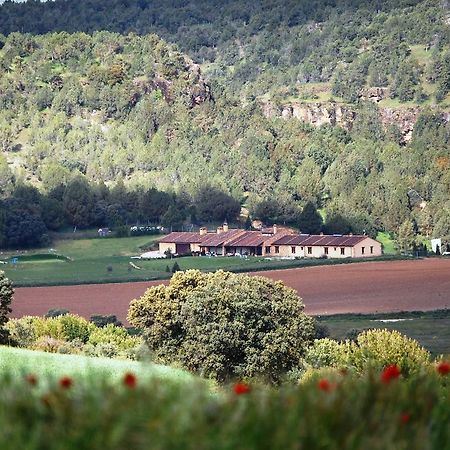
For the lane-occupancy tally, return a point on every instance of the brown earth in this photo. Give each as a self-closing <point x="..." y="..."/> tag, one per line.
<point x="350" y="288"/>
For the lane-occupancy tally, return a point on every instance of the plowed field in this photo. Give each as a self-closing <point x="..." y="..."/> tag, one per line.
<point x="350" y="288"/>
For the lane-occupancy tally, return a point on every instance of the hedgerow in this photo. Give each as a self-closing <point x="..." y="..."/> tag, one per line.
<point x="72" y="334"/>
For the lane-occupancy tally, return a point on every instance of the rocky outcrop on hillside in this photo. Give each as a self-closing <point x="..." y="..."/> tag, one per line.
<point x="198" y="90"/>
<point x="317" y="114"/>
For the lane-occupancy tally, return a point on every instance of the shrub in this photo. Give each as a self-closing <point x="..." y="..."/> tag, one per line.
<point x="6" y="296"/>
<point x="101" y="321"/>
<point x="56" y="312"/>
<point x="324" y="353"/>
<point x="381" y="348"/>
<point x="175" y="267"/>
<point x="48" y="344"/>
<point x="224" y="325"/>
<point x="75" y="327"/>
<point x="26" y="331"/>
<point x="21" y="331"/>
<point x="117" y="336"/>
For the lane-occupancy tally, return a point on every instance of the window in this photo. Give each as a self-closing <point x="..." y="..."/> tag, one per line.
<point x="326" y="250"/>
<point x="342" y="250"/>
<point x="335" y="248"/>
<point x="309" y="250"/>
<point x="301" y="248"/>
<point x="277" y="249"/>
<point x="371" y="249"/>
<point x="293" y="249"/>
<point x="363" y="250"/>
<point x="267" y="249"/>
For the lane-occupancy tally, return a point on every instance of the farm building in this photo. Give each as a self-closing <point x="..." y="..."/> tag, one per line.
<point x="269" y="242"/>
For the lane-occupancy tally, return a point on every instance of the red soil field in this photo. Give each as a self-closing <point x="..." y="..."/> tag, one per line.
<point x="350" y="288"/>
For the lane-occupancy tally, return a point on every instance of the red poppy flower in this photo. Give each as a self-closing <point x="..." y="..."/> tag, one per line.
<point x="130" y="380"/>
<point x="404" y="418"/>
<point x="390" y="373"/>
<point x="325" y="385"/>
<point x="65" y="382"/>
<point x="31" y="379"/>
<point x="443" y="368"/>
<point x="241" y="388"/>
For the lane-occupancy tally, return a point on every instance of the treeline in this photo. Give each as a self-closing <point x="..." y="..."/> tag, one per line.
<point x="27" y="215"/>
<point x="277" y="45"/>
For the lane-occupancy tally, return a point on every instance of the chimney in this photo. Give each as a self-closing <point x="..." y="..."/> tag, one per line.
<point x="321" y="233"/>
<point x="275" y="228"/>
<point x="350" y="234"/>
<point x="219" y="230"/>
<point x="203" y="231"/>
<point x="225" y="226"/>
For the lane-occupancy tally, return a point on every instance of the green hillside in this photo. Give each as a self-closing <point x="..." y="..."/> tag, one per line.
<point x="89" y="96"/>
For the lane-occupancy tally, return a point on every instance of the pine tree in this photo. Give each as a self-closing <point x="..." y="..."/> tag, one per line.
<point x="310" y="220"/>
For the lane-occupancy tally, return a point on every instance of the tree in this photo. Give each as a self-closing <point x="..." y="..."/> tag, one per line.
<point x="6" y="296"/>
<point x="22" y="227"/>
<point x="337" y="224"/>
<point x="224" y="325"/>
<point x="406" y="237"/>
<point x="214" y="205"/>
<point x="173" y="217"/>
<point x="310" y="221"/>
<point x="78" y="202"/>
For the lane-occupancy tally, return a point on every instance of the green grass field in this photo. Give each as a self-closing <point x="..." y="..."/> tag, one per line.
<point x="106" y="260"/>
<point x="388" y="243"/>
<point x="18" y="362"/>
<point x="431" y="329"/>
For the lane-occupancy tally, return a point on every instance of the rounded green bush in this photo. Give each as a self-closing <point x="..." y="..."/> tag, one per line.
<point x="324" y="353"/>
<point x="381" y="348"/>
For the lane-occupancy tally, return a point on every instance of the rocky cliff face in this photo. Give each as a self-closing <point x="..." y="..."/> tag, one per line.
<point x="317" y="114"/>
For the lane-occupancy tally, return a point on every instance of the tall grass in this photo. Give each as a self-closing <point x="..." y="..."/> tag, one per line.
<point x="328" y="411"/>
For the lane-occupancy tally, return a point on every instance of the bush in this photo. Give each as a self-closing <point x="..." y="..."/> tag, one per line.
<point x="48" y="344"/>
<point x="324" y="353"/>
<point x="381" y="348"/>
<point x="112" y="341"/>
<point x="75" y="327"/>
<point x="101" y="321"/>
<point x="56" y="312"/>
<point x="6" y="296"/>
<point x="224" y="325"/>
<point x="21" y="332"/>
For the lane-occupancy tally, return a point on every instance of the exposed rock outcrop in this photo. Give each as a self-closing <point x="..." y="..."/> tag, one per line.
<point x="317" y="114"/>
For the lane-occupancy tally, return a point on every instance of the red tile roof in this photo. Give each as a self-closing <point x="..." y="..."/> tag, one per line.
<point x="219" y="239"/>
<point x="320" y="240"/>
<point x="242" y="238"/>
<point x="181" y="237"/>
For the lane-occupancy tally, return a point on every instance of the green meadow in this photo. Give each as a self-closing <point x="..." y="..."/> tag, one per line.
<point x="103" y="260"/>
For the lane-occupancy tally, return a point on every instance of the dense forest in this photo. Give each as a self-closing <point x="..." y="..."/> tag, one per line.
<point x="80" y="103"/>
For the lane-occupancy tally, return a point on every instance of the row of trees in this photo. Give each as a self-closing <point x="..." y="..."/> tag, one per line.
<point x="27" y="215"/>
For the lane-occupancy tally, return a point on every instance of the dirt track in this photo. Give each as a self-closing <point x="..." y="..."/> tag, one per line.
<point x="365" y="287"/>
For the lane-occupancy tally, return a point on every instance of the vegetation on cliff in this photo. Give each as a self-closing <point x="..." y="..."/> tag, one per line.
<point x="107" y="106"/>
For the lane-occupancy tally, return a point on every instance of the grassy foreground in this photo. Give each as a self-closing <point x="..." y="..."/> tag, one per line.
<point x="328" y="411"/>
<point x="17" y="362"/>
<point x="82" y="261"/>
